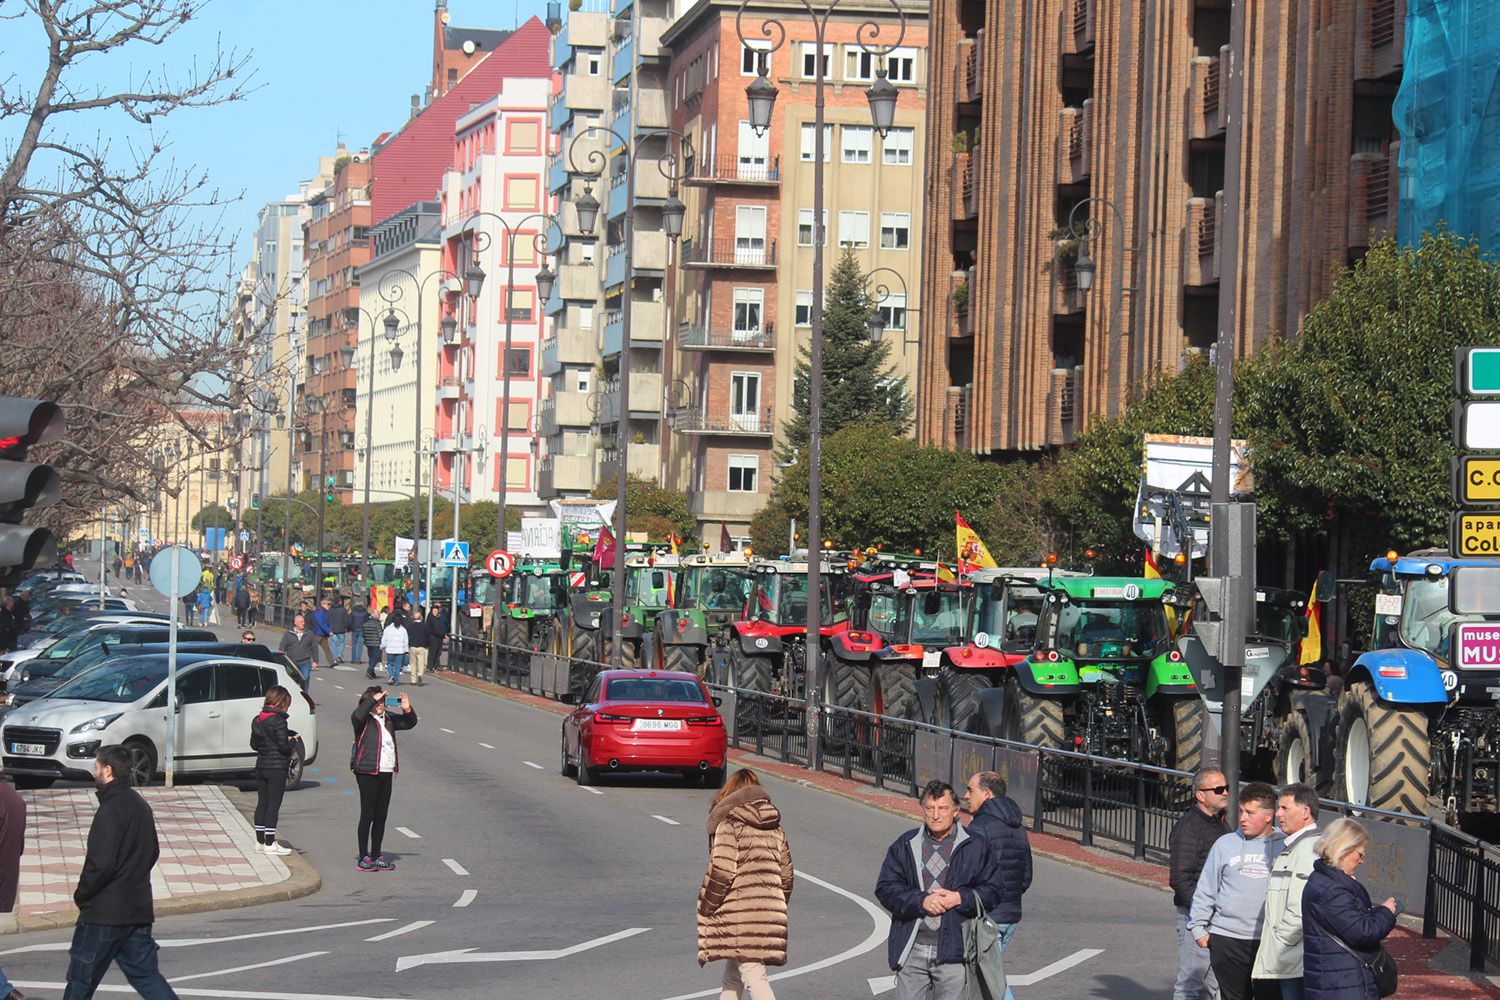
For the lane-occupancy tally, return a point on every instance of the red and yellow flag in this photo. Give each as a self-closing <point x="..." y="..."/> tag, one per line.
<point x="970" y="548"/>
<point x="673" y="540"/>
<point x="944" y="573"/>
<point x="1312" y="643"/>
<point x="1153" y="572"/>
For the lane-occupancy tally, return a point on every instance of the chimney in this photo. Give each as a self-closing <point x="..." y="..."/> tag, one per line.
<point x="416" y="105"/>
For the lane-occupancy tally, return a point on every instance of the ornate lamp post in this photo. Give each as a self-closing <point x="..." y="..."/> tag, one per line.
<point x="1088" y="230"/>
<point x="391" y="324"/>
<point x="876" y="323"/>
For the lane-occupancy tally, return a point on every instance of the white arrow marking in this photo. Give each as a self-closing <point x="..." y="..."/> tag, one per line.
<point x="448" y="731"/>
<point x="535" y="765"/>
<point x="466" y="955"/>
<point x="408" y="833"/>
<point x="465" y="898"/>
<point x="188" y="942"/>
<point x="884" y="984"/>
<point x="590" y="788"/>
<point x="669" y="822"/>
<point x="487" y="746"/>
<point x="455" y="867"/>
<point x="246" y="968"/>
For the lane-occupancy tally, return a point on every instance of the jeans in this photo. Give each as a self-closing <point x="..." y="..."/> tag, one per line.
<point x="922" y="978"/>
<point x="95" y="946"/>
<point x="394" y="664"/>
<point x="306" y="669"/>
<point x="745" y="979"/>
<point x="1195" y="978"/>
<point x="5" y="986"/>
<point x="336" y="643"/>
<point x="1232" y="959"/>
<point x="373" y="652"/>
<point x="1292" y="989"/>
<point x="1006" y="932"/>
<point x="374" y="804"/>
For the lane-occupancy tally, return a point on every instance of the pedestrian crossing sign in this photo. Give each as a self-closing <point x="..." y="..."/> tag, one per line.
<point x="455" y="553"/>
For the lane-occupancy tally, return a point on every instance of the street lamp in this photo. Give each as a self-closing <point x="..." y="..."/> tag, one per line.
<point x="1086" y="230"/>
<point x="391" y="325"/>
<point x="876" y="323"/>
<point x="672" y="213"/>
<point x="761" y="95"/>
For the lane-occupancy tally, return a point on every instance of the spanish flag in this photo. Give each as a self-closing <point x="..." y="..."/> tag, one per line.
<point x="971" y="551"/>
<point x="1312" y="643"/>
<point x="1153" y="572"/>
<point x="673" y="540"/>
<point x="944" y="573"/>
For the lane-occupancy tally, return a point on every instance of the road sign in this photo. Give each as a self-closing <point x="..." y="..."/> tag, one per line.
<point x="1474" y="590"/>
<point x="456" y="554"/>
<point x="1471" y="534"/>
<point x="236" y="562"/>
<point x="1476" y="479"/>
<point x="1476" y="425"/>
<point x="499" y="563"/>
<point x="1476" y="371"/>
<point x="1476" y="645"/>
<point x="577" y="579"/>
<point x="179" y="579"/>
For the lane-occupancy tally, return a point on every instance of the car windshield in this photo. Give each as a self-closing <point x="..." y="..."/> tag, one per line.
<point x="1110" y="630"/>
<point x="650" y="586"/>
<point x="1278" y="624"/>
<point x="132" y="680"/>
<point x="67" y="646"/>
<point x="933" y="617"/>
<point x="653" y="689"/>
<point x="77" y="665"/>
<point x="1425" y="618"/>
<point x="1006" y="614"/>
<point x="535" y="592"/>
<point x="715" y="588"/>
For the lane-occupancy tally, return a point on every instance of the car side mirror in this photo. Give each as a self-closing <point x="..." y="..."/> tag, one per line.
<point x="1326" y="586"/>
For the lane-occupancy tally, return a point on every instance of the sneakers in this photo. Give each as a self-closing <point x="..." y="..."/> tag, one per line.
<point x="366" y="865"/>
<point x="383" y="865"/>
<point x="277" y="848"/>
<point x="14" y="995"/>
<point x="260" y="847"/>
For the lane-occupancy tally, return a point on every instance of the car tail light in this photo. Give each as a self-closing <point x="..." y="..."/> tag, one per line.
<point x="312" y="706"/>
<point x="607" y="717"/>
<point x="705" y="720"/>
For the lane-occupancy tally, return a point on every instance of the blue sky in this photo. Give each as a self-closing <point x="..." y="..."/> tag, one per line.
<point x="323" y="70"/>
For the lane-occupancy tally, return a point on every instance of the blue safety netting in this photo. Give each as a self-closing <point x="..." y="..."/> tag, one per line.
<point x="1448" y="115"/>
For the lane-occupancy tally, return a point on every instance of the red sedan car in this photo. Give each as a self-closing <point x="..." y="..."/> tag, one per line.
<point x="645" y="720"/>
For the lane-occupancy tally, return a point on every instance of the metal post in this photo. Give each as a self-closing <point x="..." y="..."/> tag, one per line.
<point x="503" y="461"/>
<point x="322" y="494"/>
<point x="813" y="660"/>
<point x="426" y="564"/>
<point x="174" y="600"/>
<point x="460" y="462"/>
<point x="286" y="512"/>
<point x="103" y="544"/>
<point x="416" y="496"/>
<point x="364" y="536"/>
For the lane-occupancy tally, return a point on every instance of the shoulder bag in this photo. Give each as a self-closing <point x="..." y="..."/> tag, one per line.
<point x="982" y="958"/>
<point x="1382" y="967"/>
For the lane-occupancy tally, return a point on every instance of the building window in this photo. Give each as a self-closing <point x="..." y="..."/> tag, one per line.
<point x="593" y="64"/>
<point x="859" y="65"/>
<point x="523" y="136"/>
<point x="744" y="400"/>
<point x="901" y="66"/>
<point x="518" y="362"/>
<point x="452" y="78"/>
<point x="804" y="309"/>
<point x="858" y="141"/>
<point x="896" y="147"/>
<point x="521" y="193"/>
<point x="893" y="311"/>
<point x="749" y="304"/>
<point x="520" y="250"/>
<point x="750" y="234"/>
<point x="522" y="304"/>
<point x="744" y="471"/>
<point x="805" y="227"/>
<point x="810" y="139"/>
<point x="581" y="381"/>
<point x="854" y="230"/>
<point x="751" y="56"/>
<point x="810" y="60"/>
<point x="895" y="230"/>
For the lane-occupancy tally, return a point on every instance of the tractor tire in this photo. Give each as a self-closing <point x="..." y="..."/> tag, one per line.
<point x="1030" y="719"/>
<point x="958" y="700"/>
<point x="583" y="648"/>
<point x="749" y="673"/>
<point x="1385" y="755"/>
<point x="895" y="691"/>
<point x="630" y="654"/>
<point x="688" y="659"/>
<point x="515" y="642"/>
<point x="847" y="685"/>
<point x="1187" y="733"/>
<point x="1293" y="754"/>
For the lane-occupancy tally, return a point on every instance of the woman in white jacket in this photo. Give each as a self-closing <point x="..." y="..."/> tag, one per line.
<point x="393" y="643"/>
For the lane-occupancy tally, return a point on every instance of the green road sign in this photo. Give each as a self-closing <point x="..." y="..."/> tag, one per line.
<point x="1476" y="371"/>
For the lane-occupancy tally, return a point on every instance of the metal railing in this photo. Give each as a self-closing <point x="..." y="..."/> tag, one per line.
<point x="1463" y="893"/>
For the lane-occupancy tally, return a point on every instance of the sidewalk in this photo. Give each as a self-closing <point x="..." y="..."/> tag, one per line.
<point x="208" y="861"/>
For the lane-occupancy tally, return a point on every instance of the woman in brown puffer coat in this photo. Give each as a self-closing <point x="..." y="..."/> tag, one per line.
<point x="742" y="903"/>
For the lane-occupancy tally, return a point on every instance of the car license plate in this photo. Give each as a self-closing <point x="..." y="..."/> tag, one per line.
<point x="932" y="659"/>
<point x="35" y="749"/>
<point x="657" y="725"/>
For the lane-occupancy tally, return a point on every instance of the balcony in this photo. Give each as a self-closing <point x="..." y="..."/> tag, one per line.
<point x="965" y="187"/>
<point x="648" y="324"/>
<point x="650" y="185"/>
<point x="645" y="398"/>
<point x="969" y="69"/>
<point x="1075" y="144"/>
<point x="564" y="473"/>
<point x="702" y="338"/>
<point x="696" y="420"/>
<point x="1067" y="297"/>
<point x="1372" y="197"/>
<point x="961" y="294"/>
<point x="728" y="505"/>
<point x="568" y="347"/>
<point x="1206" y="105"/>
<point x="644" y="459"/>
<point x="623" y="60"/>
<point x="568" y="409"/>
<point x="730" y="253"/>
<point x="578" y="282"/>
<point x="1200" y="252"/>
<point x="956" y="422"/>
<point x="1078" y="34"/>
<point x="588" y="27"/>
<point x="648" y="41"/>
<point x="731" y="169"/>
<point x="1380" y="37"/>
<point x="557" y="174"/>
<point x="450" y="389"/>
<point x="1063" y="412"/>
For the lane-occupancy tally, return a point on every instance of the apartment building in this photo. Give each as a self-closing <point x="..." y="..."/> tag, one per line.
<point x="456" y="51"/>
<point x="1118" y="111"/>
<point x="742" y="290"/>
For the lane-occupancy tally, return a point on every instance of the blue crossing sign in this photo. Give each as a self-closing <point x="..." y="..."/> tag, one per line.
<point x="455" y="553"/>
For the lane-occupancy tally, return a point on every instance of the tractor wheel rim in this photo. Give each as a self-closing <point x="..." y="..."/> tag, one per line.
<point x="1357" y="763"/>
<point x="1296" y="760"/>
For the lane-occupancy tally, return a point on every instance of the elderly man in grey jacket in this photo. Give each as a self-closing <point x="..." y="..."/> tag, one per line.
<point x="1280" y="956"/>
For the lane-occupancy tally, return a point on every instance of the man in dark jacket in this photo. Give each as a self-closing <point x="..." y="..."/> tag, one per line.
<point x="338" y="627"/>
<point x="301" y="647"/>
<point x="241" y="600"/>
<point x="417" y="638"/>
<point x="320" y="628"/>
<point x="932" y="879"/>
<point x="437" y="631"/>
<point x="1192" y="837"/>
<point x="998" y="819"/>
<point x="12" y="844"/>
<point x="114" y="891"/>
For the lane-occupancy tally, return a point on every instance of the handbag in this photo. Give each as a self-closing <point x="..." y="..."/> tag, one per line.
<point x="982" y="958"/>
<point x="1382" y="967"/>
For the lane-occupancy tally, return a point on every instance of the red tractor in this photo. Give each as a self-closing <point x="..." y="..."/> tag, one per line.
<point x="767" y="647"/>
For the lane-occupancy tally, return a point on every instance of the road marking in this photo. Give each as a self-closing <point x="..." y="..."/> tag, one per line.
<point x="415" y="925"/>
<point x="882" y="924"/>
<point x="884" y="984"/>
<point x="235" y="994"/>
<point x="247" y="968"/>
<point x="455" y="867"/>
<point x="595" y="791"/>
<point x="448" y="731"/>
<point x="189" y="942"/>
<point x="529" y="763"/>
<point x="464" y="899"/>
<point x="486" y="746"/>
<point x="669" y="822"/>
<point x="466" y="955"/>
<point x="408" y="833"/>
<point x="339" y="686"/>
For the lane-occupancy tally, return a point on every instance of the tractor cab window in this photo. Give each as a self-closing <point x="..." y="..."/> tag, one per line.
<point x="1277" y="623"/>
<point x="382" y="574"/>
<point x="539" y="593"/>
<point x="650" y="587"/>
<point x="486" y="588"/>
<point x="1009" y="614"/>
<point x="1425" y="618"/>
<point x="1110" y="630"/>
<point x="881" y="612"/>
<point x="933" y="617"/>
<point x="716" y="589"/>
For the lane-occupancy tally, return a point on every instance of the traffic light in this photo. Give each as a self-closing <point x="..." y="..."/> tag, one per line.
<point x="23" y="485"/>
<point x="328" y="494"/>
<point x="255" y="500"/>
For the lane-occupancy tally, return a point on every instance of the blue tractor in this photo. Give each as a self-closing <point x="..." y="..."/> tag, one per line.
<point x="1414" y="732"/>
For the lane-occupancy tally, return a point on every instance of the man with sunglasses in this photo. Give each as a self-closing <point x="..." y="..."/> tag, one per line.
<point x="1192" y="838"/>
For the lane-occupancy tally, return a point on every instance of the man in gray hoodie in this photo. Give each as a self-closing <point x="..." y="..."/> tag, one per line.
<point x="1229" y="903"/>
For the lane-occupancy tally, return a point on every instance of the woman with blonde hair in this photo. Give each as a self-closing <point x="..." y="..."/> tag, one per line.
<point x="742" y="902"/>
<point x="1341" y="931"/>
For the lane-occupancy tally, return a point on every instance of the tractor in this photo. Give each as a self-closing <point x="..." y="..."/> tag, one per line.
<point x="767" y="647"/>
<point x="1277" y="727"/>
<point x="711" y="593"/>
<point x="1104" y="676"/>
<point x="650" y="588"/>
<point x="528" y="600"/>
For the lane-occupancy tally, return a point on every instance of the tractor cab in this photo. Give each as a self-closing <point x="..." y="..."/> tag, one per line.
<point x="1411" y="610"/>
<point x="539" y="589"/>
<point x="714" y="583"/>
<point x="1104" y="625"/>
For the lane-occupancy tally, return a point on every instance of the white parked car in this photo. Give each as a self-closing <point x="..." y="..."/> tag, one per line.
<point x="124" y="701"/>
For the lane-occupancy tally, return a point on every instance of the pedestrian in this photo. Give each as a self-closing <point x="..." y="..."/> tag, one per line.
<point x="301" y="647"/>
<point x="933" y="878"/>
<point x="241" y="602"/>
<point x="252" y="616"/>
<point x="417" y="638"/>
<point x="321" y="630"/>
<point x="1336" y="913"/>
<point x="394" y="645"/>
<point x="1279" y="959"/>
<point x="114" y="890"/>
<point x="370" y="631"/>
<point x="375" y="763"/>
<point x="205" y="604"/>
<point x="275" y="747"/>
<point x="437" y="631"/>
<point x="1229" y="903"/>
<point x="338" y="627"/>
<point x="743" y="899"/>
<point x="998" y="819"/>
<point x="1193" y="836"/>
<point x="247" y="638"/>
<point x="10" y="624"/>
<point x="12" y="844"/>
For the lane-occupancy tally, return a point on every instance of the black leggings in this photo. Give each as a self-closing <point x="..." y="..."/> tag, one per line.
<point x="270" y="786"/>
<point x="374" y="803"/>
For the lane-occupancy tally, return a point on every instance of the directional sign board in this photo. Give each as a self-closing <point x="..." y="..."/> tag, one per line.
<point x="455" y="553"/>
<point x="1476" y="646"/>
<point x="499" y="563"/>
<point x="1471" y="534"/>
<point x="1476" y="371"/>
<point x="1476" y="480"/>
<point x="1476" y="425"/>
<point x="1474" y="590"/>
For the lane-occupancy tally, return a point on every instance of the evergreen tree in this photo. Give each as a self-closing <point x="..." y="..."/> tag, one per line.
<point x="859" y="386"/>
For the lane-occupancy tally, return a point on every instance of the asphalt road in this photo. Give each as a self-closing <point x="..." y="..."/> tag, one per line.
<point x="514" y="882"/>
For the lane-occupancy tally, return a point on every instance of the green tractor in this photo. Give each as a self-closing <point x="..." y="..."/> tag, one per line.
<point x="651" y="583"/>
<point x="711" y="593"/>
<point x="574" y="632"/>
<point x="1105" y="676"/>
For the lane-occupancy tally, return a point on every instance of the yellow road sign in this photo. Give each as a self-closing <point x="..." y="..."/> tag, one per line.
<point x="1474" y="534"/>
<point x="1477" y="480"/>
